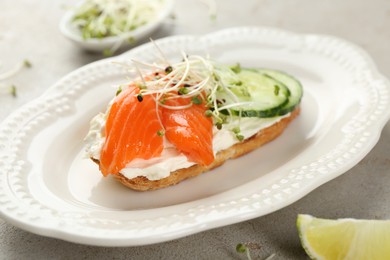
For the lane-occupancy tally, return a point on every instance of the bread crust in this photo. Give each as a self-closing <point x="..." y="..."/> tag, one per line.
<point x="264" y="136"/>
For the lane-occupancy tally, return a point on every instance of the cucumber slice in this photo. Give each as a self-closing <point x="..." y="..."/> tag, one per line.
<point x="262" y="95"/>
<point x="295" y="87"/>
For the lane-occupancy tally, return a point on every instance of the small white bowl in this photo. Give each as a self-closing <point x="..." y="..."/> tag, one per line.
<point x="74" y="34"/>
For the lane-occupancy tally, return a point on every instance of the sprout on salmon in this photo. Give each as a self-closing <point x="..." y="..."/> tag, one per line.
<point x="196" y="79"/>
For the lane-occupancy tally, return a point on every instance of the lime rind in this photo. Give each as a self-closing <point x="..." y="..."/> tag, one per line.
<point x="303" y="221"/>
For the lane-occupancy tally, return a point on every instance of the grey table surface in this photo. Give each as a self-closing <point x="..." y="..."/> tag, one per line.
<point x="29" y="30"/>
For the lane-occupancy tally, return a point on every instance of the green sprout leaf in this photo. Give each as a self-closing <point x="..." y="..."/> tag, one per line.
<point x="160" y="132"/>
<point x="13" y="91"/>
<point x="183" y="91"/>
<point x="118" y="91"/>
<point x="27" y="64"/>
<point x="241" y="248"/>
<point x="196" y="100"/>
<point x="240" y="137"/>
<point x="107" y="52"/>
<point x="208" y="113"/>
<point x="131" y="40"/>
<point x="237" y="68"/>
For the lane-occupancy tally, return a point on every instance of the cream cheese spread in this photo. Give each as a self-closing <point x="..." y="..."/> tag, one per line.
<point x="171" y="159"/>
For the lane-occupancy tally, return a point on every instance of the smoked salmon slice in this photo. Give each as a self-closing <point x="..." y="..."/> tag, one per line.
<point x="190" y="130"/>
<point x="131" y="131"/>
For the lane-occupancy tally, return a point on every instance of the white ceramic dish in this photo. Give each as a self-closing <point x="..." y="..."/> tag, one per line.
<point x="73" y="33"/>
<point x="47" y="187"/>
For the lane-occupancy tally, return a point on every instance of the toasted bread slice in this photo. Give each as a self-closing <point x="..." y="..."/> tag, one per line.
<point x="266" y="135"/>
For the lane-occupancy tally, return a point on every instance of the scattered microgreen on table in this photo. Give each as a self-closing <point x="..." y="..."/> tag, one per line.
<point x="10" y="88"/>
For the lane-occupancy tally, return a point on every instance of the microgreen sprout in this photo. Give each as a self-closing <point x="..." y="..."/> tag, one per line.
<point x="5" y="88"/>
<point x="97" y="19"/>
<point x="183" y="91"/>
<point x="15" y="70"/>
<point x="172" y="16"/>
<point x="104" y="18"/>
<point x="241" y="248"/>
<point x="8" y="89"/>
<point x="195" y="79"/>
<point x="208" y="113"/>
<point x="141" y="86"/>
<point x="245" y="248"/>
<point x="236" y="68"/>
<point x="196" y="100"/>
<point x="108" y="52"/>
<point x="161" y="132"/>
<point x="131" y="40"/>
<point x="240" y="137"/>
<point x="13" y="91"/>
<point x="27" y="64"/>
<point x="163" y="101"/>
<point x="118" y="91"/>
<point x="236" y="130"/>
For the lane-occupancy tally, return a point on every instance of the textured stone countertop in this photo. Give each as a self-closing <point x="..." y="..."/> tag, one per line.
<point x="29" y="30"/>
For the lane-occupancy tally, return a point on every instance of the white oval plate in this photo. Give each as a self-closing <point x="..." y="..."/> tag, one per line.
<point x="47" y="187"/>
<point x="74" y="34"/>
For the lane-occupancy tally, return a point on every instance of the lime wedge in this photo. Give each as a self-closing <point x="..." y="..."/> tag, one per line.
<point x="344" y="238"/>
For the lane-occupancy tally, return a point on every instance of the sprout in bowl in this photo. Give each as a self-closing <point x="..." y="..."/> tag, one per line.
<point x="100" y="25"/>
